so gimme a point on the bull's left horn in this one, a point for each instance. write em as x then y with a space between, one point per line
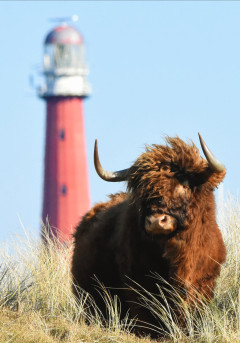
116 176
213 162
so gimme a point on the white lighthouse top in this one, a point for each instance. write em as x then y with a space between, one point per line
64 64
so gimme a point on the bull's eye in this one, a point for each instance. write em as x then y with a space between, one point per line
165 167
185 184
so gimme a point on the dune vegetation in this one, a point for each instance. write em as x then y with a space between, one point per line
37 304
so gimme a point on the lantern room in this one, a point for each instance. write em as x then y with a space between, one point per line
64 63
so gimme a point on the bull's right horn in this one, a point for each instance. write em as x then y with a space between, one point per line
213 162
105 175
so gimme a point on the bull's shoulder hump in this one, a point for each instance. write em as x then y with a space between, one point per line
114 199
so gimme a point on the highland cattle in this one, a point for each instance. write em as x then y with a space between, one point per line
164 223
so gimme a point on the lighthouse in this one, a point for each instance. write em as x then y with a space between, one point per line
66 186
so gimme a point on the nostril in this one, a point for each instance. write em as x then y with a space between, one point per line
163 219
148 221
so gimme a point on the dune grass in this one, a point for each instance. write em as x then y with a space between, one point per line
37 305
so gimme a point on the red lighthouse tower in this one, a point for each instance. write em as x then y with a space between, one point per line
66 186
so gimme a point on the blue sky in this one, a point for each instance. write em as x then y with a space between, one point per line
156 68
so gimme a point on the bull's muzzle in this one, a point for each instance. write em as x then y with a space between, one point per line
160 224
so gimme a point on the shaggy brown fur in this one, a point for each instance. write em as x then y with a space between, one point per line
112 244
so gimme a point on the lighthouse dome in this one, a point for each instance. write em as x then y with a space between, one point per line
64 34
64 51
64 63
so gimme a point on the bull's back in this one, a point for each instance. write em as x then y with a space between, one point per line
94 247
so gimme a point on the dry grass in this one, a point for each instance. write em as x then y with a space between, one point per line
37 305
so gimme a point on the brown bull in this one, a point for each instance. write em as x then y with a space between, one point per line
165 223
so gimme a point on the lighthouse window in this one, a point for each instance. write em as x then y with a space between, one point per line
62 56
62 134
64 189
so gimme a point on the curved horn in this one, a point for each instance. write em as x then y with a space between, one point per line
105 175
213 162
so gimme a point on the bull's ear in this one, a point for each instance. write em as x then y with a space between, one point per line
213 162
105 175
